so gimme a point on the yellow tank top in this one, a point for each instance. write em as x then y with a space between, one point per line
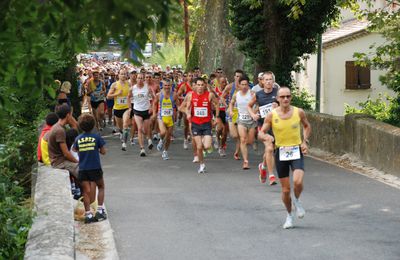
286 131
121 101
166 111
44 146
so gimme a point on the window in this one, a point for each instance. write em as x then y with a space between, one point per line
357 77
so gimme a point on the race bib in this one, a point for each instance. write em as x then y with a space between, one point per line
200 111
245 117
221 104
122 100
264 110
167 112
289 153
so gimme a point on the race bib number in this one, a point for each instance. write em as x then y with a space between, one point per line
221 104
167 112
264 110
289 153
245 117
200 111
122 100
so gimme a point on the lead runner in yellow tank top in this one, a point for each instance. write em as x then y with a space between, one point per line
286 122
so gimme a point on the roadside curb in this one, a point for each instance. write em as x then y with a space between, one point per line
95 241
352 163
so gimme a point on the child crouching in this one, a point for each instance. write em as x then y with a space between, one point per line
89 146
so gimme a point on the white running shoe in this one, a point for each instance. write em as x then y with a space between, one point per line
185 144
150 144
222 152
133 141
160 145
165 155
300 212
123 148
255 146
196 159
155 137
289 221
142 152
216 144
202 168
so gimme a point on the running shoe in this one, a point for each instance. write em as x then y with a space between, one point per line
185 144
90 219
272 179
255 146
216 144
142 152
195 159
155 137
246 165
165 155
236 156
160 145
150 144
289 222
300 212
202 168
222 152
123 147
133 141
263 173
101 215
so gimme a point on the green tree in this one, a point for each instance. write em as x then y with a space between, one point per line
276 34
386 57
38 43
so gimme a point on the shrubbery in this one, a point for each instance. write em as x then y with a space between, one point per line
384 108
301 98
16 158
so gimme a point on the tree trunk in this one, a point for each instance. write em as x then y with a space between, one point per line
217 46
186 28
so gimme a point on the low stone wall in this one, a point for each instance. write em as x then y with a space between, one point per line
374 142
52 232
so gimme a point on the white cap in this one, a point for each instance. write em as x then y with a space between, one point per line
260 74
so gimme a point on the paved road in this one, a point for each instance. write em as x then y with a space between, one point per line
165 210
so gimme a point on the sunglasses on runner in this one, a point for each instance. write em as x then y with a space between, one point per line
286 96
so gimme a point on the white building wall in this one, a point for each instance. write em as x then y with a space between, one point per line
334 83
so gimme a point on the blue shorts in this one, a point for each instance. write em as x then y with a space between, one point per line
201 130
110 103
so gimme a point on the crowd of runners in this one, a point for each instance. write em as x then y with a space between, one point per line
148 103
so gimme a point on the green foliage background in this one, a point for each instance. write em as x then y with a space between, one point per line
276 34
171 54
38 44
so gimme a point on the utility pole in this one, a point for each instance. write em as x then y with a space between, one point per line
318 85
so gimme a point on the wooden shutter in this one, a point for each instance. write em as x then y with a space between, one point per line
364 77
351 75
357 77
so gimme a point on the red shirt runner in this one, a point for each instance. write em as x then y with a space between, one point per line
201 108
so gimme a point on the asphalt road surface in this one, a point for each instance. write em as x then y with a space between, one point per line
165 210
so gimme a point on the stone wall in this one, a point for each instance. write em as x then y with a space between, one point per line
374 142
52 232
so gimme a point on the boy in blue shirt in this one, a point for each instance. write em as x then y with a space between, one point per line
89 146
